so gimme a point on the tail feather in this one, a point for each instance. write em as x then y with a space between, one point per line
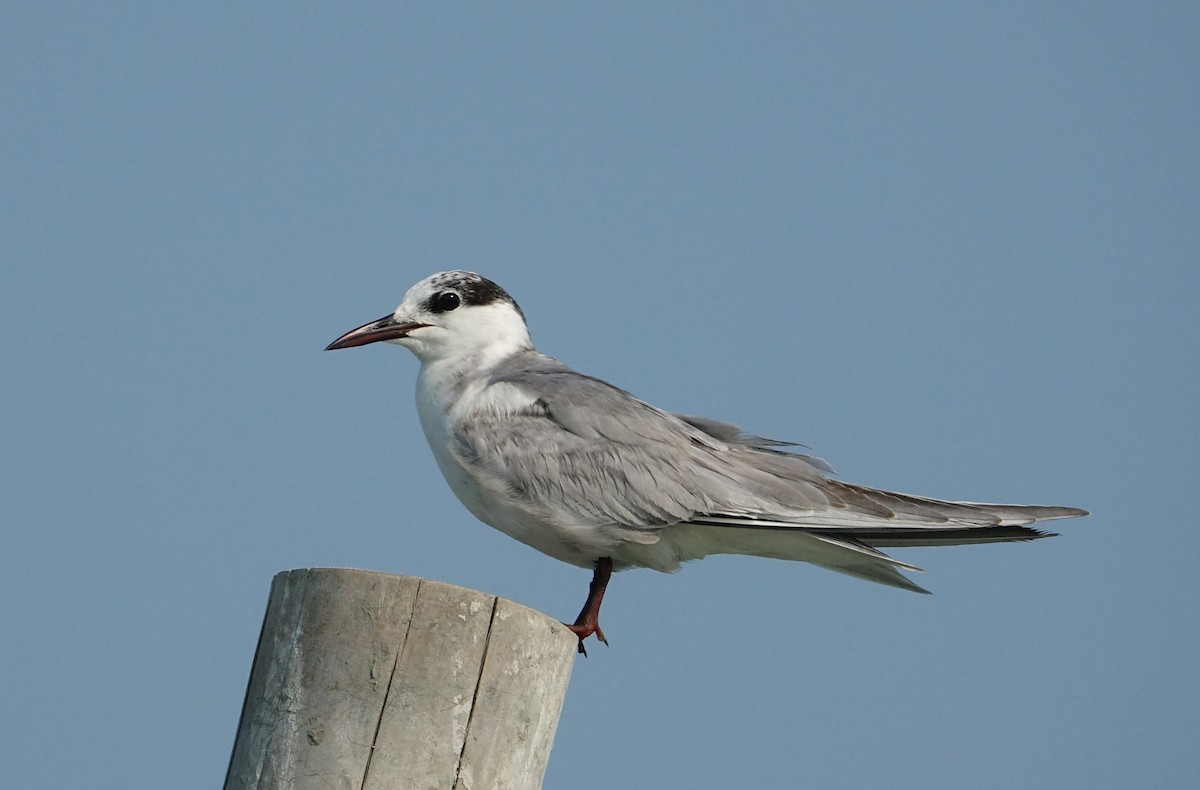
841 553
849 540
866 562
932 536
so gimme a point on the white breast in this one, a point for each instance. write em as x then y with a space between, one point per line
442 398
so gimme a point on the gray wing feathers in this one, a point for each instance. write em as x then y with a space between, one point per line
605 455
592 452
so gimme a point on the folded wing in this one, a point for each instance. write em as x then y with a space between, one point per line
590 452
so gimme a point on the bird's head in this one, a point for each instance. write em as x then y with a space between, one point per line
448 315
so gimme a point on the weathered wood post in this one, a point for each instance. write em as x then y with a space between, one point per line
364 680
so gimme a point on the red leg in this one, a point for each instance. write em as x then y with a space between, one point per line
588 621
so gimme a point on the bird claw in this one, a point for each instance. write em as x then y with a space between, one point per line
583 631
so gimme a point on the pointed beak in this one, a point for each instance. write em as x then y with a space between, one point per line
386 328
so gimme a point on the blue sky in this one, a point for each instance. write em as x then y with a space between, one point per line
952 249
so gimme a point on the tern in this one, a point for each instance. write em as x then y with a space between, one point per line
588 474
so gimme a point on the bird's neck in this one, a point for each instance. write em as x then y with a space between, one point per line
445 380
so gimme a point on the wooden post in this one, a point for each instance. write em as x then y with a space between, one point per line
366 681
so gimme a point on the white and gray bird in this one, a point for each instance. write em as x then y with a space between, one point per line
588 474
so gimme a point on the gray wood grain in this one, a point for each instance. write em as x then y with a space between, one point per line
365 680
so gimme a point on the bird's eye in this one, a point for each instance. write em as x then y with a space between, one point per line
446 301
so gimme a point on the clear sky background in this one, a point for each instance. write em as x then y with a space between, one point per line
955 250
